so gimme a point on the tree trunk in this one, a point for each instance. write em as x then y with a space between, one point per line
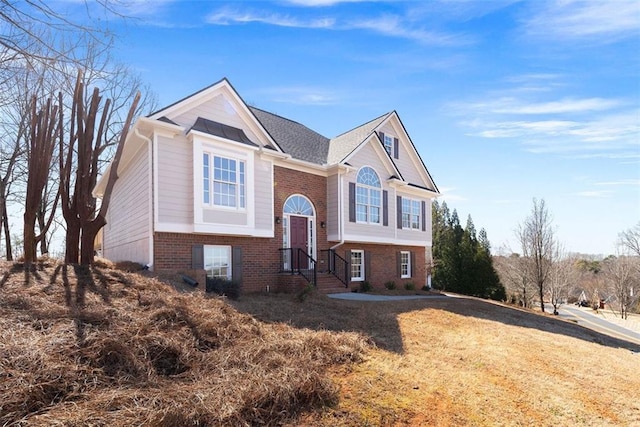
72 243
7 236
89 233
541 293
42 224
29 238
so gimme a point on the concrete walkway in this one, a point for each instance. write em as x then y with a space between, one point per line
358 296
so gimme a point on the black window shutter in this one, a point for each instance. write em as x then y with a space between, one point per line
382 138
396 149
424 216
399 210
347 257
413 263
236 264
385 208
367 265
197 257
352 202
399 263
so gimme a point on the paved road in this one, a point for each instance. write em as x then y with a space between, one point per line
598 324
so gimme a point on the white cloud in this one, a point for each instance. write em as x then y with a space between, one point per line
448 194
302 95
604 20
511 105
622 182
388 25
318 3
229 17
594 194
397 26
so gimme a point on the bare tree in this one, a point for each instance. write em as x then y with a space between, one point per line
621 273
561 278
536 238
512 269
630 239
88 131
45 127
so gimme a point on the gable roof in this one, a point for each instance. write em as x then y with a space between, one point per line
294 138
342 145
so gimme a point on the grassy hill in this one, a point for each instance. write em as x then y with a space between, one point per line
102 346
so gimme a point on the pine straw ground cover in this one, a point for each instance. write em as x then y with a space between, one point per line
467 362
101 346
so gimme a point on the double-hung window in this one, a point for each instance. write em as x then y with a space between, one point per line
223 181
388 144
357 265
368 196
411 214
217 261
405 264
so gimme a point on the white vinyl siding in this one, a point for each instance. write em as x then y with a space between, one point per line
127 234
332 207
175 178
407 162
218 109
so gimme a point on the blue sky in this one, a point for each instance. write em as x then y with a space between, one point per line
505 100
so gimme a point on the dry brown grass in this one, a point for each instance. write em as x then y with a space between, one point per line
468 362
101 346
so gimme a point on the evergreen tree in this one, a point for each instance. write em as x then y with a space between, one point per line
463 261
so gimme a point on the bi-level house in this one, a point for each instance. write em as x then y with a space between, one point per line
214 185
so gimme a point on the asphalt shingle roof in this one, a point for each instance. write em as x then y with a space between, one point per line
224 131
342 145
294 138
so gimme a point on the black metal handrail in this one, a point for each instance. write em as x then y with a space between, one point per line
288 255
338 266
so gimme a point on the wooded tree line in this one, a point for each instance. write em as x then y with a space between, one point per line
462 257
541 270
65 109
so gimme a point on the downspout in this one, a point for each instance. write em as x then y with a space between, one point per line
151 195
340 213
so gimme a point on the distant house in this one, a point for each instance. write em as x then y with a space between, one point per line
210 183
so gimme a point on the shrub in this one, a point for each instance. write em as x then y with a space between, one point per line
223 286
426 288
390 285
410 286
365 286
305 292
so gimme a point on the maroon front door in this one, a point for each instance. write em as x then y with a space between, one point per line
299 240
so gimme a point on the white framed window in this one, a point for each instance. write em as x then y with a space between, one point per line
405 264
388 144
357 265
217 261
411 214
368 196
223 181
